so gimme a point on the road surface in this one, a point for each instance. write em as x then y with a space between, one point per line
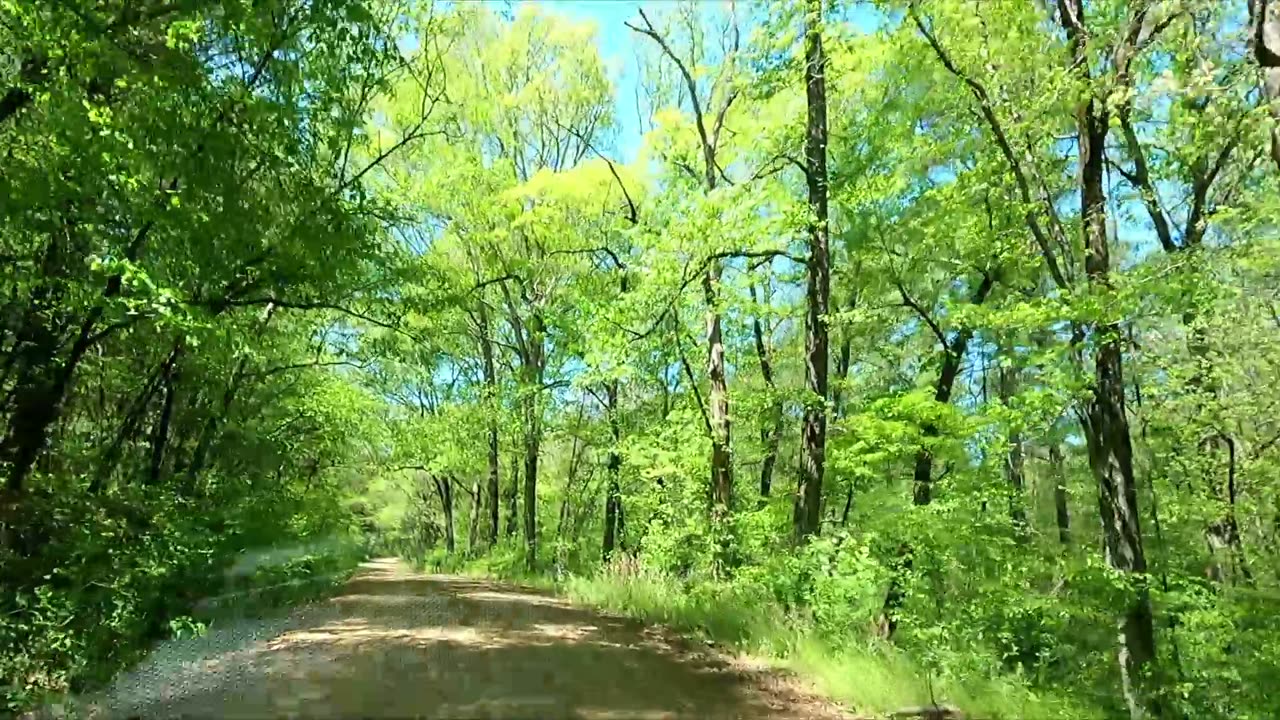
394 643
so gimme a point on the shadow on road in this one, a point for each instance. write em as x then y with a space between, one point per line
400 644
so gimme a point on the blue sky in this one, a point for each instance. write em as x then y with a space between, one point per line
617 46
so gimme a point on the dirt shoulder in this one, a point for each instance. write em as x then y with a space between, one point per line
394 643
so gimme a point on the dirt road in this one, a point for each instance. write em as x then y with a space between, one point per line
395 643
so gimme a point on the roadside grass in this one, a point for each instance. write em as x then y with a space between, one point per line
262 583
278 579
865 675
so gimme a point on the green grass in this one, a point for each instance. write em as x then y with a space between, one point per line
285 578
878 679
865 675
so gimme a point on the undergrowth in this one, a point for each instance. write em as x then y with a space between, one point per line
74 637
859 672
282 578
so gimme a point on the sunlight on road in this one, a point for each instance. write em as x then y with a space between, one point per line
397 643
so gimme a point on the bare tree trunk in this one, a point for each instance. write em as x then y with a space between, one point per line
843 361
38 398
837 399
1225 549
128 429
717 416
210 431
922 488
532 442
533 438
813 452
567 520
42 387
213 424
718 403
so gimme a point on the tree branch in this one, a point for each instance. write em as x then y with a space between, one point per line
908 301
297 366
997 129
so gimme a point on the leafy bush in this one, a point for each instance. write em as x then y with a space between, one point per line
116 576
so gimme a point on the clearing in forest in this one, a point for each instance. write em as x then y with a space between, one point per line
396 643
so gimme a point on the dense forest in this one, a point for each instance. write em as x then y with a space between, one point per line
945 328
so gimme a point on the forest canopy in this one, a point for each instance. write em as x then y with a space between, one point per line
945 328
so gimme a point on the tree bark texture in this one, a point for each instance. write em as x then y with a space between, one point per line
813 433
1105 422
718 401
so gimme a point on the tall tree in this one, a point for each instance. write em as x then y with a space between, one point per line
709 127
1105 421
808 514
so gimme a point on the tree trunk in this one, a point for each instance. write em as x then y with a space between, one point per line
1226 551
843 360
39 395
1105 423
717 415
128 430
813 434
1014 465
771 429
953 353
41 390
444 488
952 357
532 442
491 393
160 438
513 492
922 474
530 346
213 424
613 494
922 485
477 511
718 403
1063 516
533 435
1265 17
568 517
837 399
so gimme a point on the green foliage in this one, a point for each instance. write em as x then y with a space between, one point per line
382 272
